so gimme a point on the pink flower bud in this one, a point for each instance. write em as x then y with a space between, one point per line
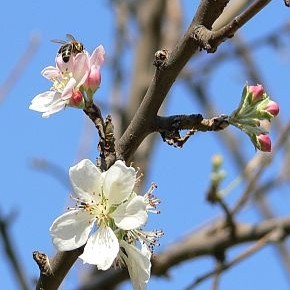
272 108
264 143
257 92
76 98
94 78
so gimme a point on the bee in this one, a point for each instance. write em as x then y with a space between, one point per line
69 47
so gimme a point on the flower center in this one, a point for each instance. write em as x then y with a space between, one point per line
99 210
60 83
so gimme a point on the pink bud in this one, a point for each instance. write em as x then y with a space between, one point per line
272 108
264 142
94 78
257 92
76 98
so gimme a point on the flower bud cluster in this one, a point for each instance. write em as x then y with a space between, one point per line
254 107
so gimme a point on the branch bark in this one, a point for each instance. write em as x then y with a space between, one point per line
162 81
205 242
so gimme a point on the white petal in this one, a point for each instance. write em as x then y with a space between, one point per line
101 249
47 103
138 263
68 89
42 101
71 230
86 180
54 108
51 73
119 182
132 214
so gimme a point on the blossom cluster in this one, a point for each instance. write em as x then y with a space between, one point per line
108 218
74 82
254 107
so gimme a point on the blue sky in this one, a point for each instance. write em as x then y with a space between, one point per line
181 175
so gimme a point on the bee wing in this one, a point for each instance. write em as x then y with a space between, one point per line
59 41
70 37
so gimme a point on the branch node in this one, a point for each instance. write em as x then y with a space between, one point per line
161 58
203 37
42 261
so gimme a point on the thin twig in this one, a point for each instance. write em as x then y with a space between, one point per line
229 29
262 163
19 67
52 169
10 251
217 276
225 266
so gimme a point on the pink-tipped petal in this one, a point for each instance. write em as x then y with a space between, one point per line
98 56
264 143
257 92
94 78
81 68
272 108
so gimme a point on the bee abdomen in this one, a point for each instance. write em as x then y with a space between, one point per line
66 51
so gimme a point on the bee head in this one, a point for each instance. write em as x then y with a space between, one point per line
78 46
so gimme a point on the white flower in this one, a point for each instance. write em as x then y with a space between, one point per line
107 219
105 200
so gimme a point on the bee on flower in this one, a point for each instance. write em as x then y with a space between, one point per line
73 80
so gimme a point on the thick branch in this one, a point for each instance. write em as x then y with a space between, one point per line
139 128
60 265
205 242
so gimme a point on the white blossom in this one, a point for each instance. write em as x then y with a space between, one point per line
108 218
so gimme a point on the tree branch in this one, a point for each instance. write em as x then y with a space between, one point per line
105 129
11 253
210 40
205 242
225 266
60 264
169 127
143 120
